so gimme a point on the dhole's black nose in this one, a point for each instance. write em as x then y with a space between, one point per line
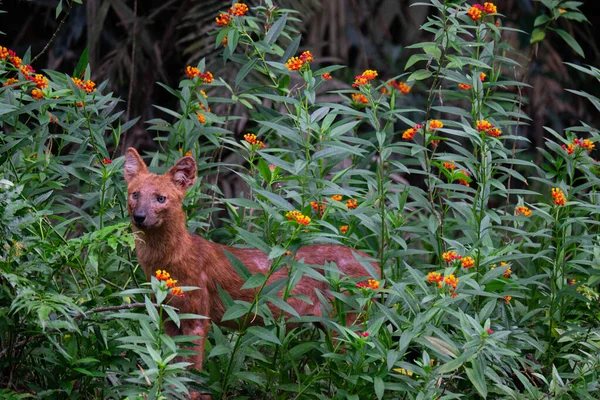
139 218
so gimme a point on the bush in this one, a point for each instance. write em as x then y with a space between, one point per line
490 263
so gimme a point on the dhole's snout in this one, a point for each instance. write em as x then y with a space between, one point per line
139 218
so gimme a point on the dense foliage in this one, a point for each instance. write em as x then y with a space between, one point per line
490 263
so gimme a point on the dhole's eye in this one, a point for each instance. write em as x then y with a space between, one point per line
161 199
134 195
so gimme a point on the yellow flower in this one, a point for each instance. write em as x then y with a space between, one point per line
434 277
37 94
489 8
474 13
468 262
450 256
162 275
558 197
298 217
238 9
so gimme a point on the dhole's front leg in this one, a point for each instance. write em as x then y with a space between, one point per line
197 328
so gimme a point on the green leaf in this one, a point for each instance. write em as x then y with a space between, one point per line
238 265
379 387
419 75
570 41
81 64
254 281
537 36
276 30
245 70
264 334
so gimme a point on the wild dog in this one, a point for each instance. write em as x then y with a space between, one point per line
163 242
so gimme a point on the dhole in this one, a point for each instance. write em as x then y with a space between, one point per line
154 203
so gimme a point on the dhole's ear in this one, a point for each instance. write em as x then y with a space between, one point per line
183 173
134 165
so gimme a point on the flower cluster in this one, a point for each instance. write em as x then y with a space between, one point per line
351 204
522 210
410 133
343 229
193 72
336 197
449 280
326 76
488 127
371 284
463 181
558 197
201 118
364 78
450 256
468 262
298 217
360 98
318 207
106 161
251 138
435 124
296 63
482 76
238 10
586 144
449 165
37 94
478 10
87 85
163 275
465 86
401 86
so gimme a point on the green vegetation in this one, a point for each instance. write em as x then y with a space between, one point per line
490 263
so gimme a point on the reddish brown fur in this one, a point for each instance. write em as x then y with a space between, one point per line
165 243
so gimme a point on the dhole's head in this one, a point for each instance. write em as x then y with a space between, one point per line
153 200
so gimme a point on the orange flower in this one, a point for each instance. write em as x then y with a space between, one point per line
507 273
451 281
351 204
450 256
483 125
449 165
207 77
298 217
434 277
27 71
401 86
435 124
562 10
343 229
3 53
106 161
250 138
307 57
464 182
10 81
319 207
191 72
224 41
468 262
53 119
359 81
359 98
464 86
89 86
495 132
294 64
409 134
558 197
176 291
162 275
239 10
201 118
588 145
474 13
370 74
507 299
188 154
171 283
482 76
326 76
384 91
489 8
16 61
37 94
337 197
203 93
41 81
223 19
522 210
373 284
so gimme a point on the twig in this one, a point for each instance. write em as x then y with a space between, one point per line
55 32
79 316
